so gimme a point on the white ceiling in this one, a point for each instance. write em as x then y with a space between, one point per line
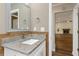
63 11
56 4
60 7
61 4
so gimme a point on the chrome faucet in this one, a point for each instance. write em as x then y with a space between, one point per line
23 36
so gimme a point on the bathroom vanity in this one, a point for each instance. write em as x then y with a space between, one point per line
18 21
32 46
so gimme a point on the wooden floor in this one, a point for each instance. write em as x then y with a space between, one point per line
61 53
63 44
1 51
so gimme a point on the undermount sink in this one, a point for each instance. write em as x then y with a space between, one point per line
30 41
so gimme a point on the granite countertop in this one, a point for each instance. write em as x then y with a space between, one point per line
24 48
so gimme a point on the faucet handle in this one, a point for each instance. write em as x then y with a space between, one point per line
23 36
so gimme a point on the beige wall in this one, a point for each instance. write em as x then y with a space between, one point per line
41 11
4 18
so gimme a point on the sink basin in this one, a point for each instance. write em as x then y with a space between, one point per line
30 41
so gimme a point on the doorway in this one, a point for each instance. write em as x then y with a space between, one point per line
63 33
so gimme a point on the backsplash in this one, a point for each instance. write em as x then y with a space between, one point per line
12 36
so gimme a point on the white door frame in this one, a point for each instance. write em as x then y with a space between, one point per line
51 30
75 29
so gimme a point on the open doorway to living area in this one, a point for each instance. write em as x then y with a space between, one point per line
63 14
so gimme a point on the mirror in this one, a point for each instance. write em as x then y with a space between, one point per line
20 16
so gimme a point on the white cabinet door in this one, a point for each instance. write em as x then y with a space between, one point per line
20 54
9 52
40 51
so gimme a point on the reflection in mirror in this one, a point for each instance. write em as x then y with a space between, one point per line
15 19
